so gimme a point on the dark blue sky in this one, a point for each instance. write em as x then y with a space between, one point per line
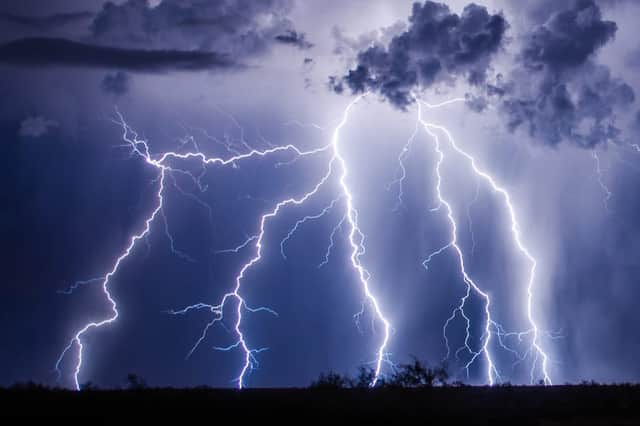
550 113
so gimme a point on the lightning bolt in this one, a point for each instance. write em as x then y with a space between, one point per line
607 193
470 220
355 239
140 148
337 167
453 244
402 174
491 327
305 219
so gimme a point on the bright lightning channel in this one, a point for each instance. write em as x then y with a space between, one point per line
403 171
490 324
140 148
607 193
355 237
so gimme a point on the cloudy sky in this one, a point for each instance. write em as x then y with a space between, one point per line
94 94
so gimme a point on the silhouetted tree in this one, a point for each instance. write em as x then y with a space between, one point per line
135 382
412 375
418 374
27 386
331 380
365 377
88 386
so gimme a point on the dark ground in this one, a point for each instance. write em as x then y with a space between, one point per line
558 405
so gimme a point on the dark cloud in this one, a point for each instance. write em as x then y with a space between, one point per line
235 27
175 34
476 103
117 83
557 92
60 52
568 38
336 84
437 46
294 38
46 23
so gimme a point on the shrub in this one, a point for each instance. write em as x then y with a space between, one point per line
135 382
417 374
331 380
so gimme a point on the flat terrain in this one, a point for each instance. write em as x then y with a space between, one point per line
531 405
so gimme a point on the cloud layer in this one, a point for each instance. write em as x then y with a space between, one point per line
60 52
294 38
553 88
437 46
173 35
557 91
234 27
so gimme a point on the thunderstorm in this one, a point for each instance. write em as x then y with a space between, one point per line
391 211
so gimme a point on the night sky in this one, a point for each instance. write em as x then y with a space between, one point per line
93 93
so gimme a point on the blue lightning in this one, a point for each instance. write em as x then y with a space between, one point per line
402 175
336 166
492 328
355 239
453 244
540 356
470 220
332 237
182 255
78 284
607 193
77 338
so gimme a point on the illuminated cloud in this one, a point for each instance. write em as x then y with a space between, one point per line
437 46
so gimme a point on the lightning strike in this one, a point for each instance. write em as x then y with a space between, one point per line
607 193
491 327
402 169
140 148
470 220
336 166
332 236
355 239
336 169
453 244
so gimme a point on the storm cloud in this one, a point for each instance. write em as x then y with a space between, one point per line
237 27
173 35
294 38
437 46
60 52
557 91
